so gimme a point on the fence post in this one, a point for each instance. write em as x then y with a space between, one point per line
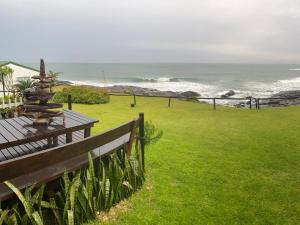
134 100
9 101
69 102
214 101
142 138
258 107
250 103
169 104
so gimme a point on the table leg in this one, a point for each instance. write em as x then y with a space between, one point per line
69 137
49 140
87 132
55 140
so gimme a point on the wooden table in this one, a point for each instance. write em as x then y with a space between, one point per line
19 131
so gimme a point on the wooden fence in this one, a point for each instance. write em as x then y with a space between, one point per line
47 165
253 101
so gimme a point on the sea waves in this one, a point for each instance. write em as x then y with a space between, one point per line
243 89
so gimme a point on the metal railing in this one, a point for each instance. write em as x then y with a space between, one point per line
9 99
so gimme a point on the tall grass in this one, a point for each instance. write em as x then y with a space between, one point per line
81 195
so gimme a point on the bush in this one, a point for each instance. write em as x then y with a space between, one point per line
82 94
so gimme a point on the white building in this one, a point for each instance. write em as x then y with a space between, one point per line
20 72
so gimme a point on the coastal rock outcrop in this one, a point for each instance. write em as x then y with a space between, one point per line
283 98
287 94
228 94
190 94
280 99
150 92
63 82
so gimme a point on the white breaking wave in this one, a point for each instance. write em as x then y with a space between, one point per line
294 81
262 89
163 79
295 69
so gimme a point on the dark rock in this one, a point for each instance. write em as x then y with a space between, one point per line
190 94
283 98
62 82
228 94
287 94
149 92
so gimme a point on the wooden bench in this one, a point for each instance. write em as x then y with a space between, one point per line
48 165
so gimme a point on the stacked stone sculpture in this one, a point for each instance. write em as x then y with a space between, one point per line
36 103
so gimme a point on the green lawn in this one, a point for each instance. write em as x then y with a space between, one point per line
229 166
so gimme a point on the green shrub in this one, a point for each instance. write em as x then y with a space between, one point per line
82 94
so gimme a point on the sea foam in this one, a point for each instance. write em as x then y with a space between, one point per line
291 81
295 69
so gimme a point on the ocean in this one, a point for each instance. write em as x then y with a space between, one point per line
209 80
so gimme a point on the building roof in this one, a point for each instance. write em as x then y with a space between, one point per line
4 63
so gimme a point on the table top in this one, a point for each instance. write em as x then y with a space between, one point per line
19 130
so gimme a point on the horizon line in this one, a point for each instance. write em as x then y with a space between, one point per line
85 62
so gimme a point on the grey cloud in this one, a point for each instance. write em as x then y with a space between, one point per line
262 31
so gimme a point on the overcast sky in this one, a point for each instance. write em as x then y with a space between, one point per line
250 31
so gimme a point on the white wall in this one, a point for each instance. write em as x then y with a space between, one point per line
20 72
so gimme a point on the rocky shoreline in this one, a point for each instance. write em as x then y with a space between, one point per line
123 89
284 98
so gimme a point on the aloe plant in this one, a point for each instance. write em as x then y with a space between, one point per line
82 194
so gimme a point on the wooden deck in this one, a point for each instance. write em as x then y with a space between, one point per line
18 137
20 150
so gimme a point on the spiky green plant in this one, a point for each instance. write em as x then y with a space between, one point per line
5 78
83 193
152 133
21 85
32 204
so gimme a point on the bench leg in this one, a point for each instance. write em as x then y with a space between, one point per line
87 132
69 137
